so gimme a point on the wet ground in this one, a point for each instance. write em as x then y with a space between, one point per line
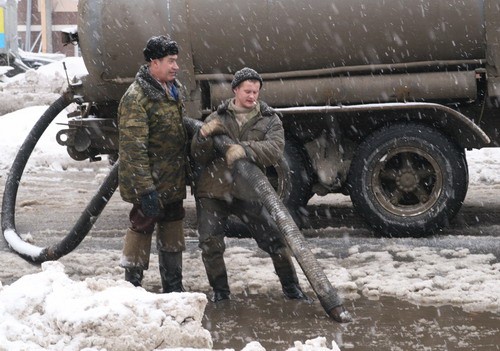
386 324
50 202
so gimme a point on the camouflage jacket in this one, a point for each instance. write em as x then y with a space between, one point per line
263 139
152 141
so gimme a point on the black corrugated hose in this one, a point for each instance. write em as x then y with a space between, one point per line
88 216
327 294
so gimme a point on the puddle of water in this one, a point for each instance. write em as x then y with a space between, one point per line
385 324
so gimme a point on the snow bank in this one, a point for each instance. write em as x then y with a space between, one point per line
484 166
49 311
318 344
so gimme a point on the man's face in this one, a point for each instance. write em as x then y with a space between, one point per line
165 69
247 93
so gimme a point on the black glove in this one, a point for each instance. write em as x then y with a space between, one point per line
150 204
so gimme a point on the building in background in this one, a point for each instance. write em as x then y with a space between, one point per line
40 22
7 30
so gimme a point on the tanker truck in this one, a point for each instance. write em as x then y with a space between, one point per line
379 98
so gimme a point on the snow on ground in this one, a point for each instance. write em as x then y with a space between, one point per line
56 307
62 314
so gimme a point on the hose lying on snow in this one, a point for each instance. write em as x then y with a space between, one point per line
33 253
252 174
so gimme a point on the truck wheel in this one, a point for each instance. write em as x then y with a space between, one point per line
292 180
408 180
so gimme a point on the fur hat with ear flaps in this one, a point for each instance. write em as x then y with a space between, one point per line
245 74
158 47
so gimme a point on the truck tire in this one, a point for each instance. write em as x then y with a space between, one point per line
408 180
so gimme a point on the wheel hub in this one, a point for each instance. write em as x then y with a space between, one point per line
407 181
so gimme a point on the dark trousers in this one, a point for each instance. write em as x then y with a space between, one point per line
143 224
212 218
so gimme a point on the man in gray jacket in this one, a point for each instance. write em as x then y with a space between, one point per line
258 135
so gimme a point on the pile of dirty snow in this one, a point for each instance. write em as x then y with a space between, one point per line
50 311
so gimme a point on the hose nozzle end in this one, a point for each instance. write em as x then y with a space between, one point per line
340 314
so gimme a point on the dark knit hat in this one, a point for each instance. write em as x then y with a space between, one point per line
245 74
158 47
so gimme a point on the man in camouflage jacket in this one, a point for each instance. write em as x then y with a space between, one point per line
152 148
258 134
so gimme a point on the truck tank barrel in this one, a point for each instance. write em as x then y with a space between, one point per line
279 36
361 89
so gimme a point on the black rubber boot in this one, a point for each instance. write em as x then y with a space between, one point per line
288 277
220 295
217 276
171 271
134 275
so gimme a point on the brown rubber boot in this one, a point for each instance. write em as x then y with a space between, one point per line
135 256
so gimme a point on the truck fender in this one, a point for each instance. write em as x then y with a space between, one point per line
459 127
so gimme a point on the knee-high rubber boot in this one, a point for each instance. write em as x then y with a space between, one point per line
217 276
170 244
171 271
135 256
288 277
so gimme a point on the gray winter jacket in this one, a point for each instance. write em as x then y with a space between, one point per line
263 139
